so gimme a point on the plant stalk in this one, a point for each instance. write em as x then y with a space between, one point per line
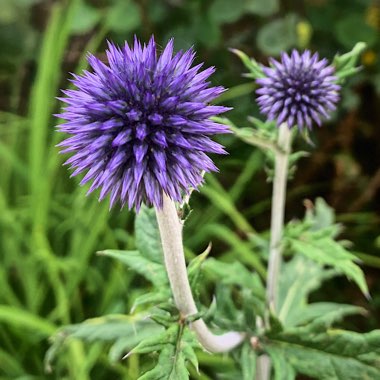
277 214
277 227
170 228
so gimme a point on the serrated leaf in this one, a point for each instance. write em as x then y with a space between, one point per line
234 274
155 298
152 271
325 314
346 64
189 354
255 70
282 368
321 215
125 344
299 277
106 328
327 355
172 359
227 316
163 318
128 331
248 362
329 252
170 366
194 267
157 342
148 240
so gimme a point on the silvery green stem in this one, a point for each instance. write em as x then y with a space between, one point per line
277 213
170 228
276 230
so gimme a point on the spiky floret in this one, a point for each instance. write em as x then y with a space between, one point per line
140 125
299 90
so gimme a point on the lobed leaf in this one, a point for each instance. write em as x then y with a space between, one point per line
152 271
148 241
325 355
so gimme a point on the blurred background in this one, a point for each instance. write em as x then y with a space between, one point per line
49 231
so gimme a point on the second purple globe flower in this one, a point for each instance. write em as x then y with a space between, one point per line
140 125
299 90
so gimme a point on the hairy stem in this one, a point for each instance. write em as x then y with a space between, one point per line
277 226
170 228
277 214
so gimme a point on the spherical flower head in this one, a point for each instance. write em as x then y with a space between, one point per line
298 90
140 125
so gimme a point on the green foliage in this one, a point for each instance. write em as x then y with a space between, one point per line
299 278
353 28
248 362
123 332
319 244
346 64
176 346
278 35
324 354
147 235
150 270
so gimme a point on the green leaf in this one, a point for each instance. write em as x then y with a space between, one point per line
194 267
248 362
278 35
107 328
155 298
148 240
326 355
321 216
157 342
123 17
226 11
353 28
176 348
152 271
25 320
85 18
190 355
282 368
326 251
327 313
126 343
234 274
206 31
262 7
315 239
255 70
299 277
170 366
124 331
346 64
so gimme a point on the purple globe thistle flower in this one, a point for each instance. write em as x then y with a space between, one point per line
140 125
298 90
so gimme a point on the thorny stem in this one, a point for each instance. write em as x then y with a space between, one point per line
277 226
170 228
